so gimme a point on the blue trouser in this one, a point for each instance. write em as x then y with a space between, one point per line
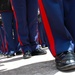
2 40
58 18
42 33
25 12
7 19
15 37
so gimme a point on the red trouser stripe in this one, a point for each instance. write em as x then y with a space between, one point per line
47 28
16 22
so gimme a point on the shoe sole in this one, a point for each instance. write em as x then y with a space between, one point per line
26 57
67 67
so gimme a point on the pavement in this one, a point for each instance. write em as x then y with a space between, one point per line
36 65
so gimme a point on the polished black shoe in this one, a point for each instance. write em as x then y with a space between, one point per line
27 55
19 53
39 51
10 54
65 61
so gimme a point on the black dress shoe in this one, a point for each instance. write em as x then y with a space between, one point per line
27 55
19 53
39 51
65 61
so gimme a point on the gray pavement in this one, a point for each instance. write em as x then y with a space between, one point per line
36 65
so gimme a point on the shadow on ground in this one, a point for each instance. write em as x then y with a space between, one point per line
41 68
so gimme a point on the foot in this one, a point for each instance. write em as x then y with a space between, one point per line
65 61
27 55
19 53
10 54
39 51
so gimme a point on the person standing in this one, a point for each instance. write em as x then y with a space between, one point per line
25 12
8 20
58 17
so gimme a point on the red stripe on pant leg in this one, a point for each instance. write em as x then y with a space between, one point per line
16 23
5 42
6 47
47 27
40 41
